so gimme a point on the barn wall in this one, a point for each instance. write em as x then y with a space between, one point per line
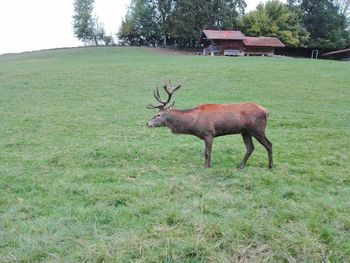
227 44
231 44
259 50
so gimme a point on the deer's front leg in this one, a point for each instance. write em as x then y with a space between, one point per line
208 144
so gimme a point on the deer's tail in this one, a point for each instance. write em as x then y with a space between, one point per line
266 112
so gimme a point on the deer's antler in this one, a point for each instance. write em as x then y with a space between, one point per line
170 90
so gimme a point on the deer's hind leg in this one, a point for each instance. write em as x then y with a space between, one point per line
262 139
247 138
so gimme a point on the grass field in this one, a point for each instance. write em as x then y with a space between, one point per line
83 180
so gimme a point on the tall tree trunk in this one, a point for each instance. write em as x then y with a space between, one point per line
95 39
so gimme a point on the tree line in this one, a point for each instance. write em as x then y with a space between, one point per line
176 22
297 23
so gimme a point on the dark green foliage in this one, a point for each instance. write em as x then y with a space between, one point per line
140 24
151 22
275 19
299 23
128 33
191 17
324 21
315 24
164 9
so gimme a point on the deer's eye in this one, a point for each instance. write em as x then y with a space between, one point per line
158 115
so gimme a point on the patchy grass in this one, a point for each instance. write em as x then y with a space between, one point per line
83 179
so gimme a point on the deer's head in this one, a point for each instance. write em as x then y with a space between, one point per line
159 120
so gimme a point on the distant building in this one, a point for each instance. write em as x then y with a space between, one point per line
235 43
343 54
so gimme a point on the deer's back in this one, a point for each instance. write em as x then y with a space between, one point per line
225 119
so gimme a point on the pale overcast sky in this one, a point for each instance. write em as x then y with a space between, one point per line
27 25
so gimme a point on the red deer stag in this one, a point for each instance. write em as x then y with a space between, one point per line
212 120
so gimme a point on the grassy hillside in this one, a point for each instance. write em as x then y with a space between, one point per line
83 179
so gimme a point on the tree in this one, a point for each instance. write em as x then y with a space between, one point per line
191 17
164 9
184 23
344 7
277 20
140 24
127 32
180 21
324 21
86 27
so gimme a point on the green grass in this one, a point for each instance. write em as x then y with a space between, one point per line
83 180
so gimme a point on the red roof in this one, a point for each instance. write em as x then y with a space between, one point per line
222 34
263 42
238 35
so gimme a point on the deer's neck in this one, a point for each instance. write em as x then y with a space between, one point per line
180 121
